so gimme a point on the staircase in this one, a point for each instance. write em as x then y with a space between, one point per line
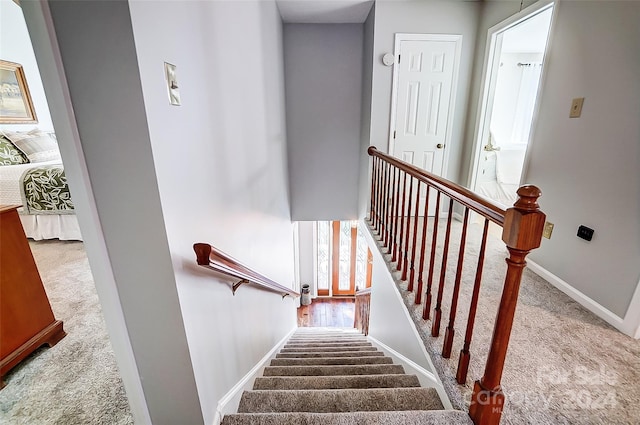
331 376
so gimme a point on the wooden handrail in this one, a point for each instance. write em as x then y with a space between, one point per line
522 227
214 259
458 193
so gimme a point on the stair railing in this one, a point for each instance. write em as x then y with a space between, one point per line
394 217
214 259
361 316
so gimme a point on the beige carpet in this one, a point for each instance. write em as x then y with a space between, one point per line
75 382
564 365
332 376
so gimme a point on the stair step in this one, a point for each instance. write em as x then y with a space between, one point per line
332 361
420 417
326 349
300 354
334 382
382 369
327 345
327 341
341 400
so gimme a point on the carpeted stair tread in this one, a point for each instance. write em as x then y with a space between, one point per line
420 417
341 400
331 361
331 343
334 382
327 349
300 354
328 370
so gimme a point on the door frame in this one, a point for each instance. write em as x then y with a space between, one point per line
399 38
486 97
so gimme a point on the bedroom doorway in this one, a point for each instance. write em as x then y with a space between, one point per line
513 69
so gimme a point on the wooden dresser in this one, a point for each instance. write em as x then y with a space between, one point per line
26 319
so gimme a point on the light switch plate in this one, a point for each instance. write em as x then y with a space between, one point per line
172 83
548 229
576 107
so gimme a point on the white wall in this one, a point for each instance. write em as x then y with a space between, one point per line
222 173
588 167
15 46
323 69
306 253
389 320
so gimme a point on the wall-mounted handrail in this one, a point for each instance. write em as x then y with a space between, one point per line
454 191
214 259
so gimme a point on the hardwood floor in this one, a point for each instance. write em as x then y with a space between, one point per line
329 312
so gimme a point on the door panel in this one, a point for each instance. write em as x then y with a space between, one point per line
425 77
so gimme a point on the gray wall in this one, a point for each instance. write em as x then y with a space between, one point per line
125 234
323 70
423 17
365 131
588 168
151 179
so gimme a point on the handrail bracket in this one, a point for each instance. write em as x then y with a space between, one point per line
238 284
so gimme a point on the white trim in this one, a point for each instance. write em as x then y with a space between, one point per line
314 292
631 322
481 121
426 378
296 257
457 39
597 309
229 402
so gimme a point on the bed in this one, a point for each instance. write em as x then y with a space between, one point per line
500 172
32 175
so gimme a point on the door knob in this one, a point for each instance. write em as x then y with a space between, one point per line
439 146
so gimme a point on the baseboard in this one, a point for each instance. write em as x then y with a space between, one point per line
229 402
597 309
632 317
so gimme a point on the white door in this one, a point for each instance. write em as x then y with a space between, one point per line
424 91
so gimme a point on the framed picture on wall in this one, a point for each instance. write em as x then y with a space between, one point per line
16 106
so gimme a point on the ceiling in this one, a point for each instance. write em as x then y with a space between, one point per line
529 36
324 11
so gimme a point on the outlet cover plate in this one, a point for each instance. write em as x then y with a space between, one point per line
576 107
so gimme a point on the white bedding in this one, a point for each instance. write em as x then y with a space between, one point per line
38 227
503 182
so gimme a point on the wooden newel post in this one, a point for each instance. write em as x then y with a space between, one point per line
522 232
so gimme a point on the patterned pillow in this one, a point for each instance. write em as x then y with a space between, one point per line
37 145
9 154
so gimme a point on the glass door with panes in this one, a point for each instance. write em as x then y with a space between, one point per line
343 259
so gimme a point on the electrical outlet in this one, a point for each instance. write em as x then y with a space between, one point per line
548 229
576 107
585 233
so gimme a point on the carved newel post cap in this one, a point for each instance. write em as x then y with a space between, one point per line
524 222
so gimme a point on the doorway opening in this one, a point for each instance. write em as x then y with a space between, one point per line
343 259
515 57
